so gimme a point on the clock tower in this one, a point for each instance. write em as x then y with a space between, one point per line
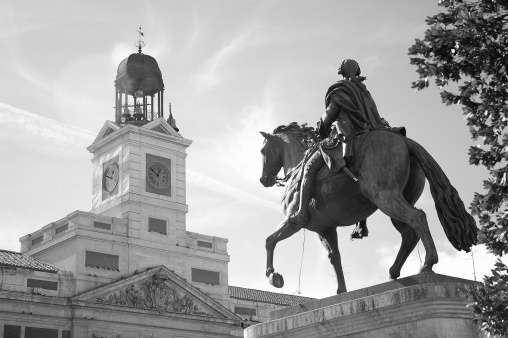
139 160
138 216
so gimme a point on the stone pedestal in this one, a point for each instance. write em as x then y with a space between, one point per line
419 306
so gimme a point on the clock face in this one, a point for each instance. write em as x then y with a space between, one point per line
158 175
110 178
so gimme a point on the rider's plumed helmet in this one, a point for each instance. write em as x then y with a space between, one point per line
349 68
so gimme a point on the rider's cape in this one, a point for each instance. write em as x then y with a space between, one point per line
352 97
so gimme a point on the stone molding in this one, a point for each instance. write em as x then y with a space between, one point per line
143 130
412 310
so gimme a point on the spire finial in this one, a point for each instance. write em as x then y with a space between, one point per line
140 43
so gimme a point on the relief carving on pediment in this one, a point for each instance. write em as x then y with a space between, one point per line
154 294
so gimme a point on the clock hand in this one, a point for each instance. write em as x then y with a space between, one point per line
109 176
154 171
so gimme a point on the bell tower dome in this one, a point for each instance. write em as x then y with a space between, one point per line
139 88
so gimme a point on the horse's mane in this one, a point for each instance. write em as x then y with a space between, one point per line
306 135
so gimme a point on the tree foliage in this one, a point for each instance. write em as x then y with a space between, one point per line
466 46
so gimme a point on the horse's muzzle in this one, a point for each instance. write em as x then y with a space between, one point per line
267 181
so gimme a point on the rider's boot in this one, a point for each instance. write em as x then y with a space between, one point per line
311 169
302 215
360 230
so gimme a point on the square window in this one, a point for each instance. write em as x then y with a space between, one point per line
157 225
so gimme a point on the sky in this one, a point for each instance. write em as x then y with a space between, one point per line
231 68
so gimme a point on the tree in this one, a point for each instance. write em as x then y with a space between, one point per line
468 43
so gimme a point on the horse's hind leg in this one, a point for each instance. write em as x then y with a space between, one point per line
409 240
329 239
284 230
395 206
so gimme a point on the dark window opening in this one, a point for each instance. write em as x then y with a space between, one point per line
205 244
37 332
101 225
12 331
101 261
61 229
206 276
245 311
157 225
43 284
37 240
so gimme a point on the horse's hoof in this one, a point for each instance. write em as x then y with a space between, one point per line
269 271
393 273
276 280
426 270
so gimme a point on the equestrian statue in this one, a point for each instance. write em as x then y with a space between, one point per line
354 164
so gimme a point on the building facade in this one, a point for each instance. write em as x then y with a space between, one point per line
129 267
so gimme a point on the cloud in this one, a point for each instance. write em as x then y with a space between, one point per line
371 64
393 33
210 75
222 188
451 263
44 127
70 136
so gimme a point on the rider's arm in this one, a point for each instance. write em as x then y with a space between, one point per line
330 115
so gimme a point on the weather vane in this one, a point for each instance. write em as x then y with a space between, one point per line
140 43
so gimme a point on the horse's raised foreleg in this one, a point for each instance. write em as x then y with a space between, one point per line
284 230
329 239
395 206
409 240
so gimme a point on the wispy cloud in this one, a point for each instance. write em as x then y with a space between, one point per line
210 74
44 127
452 263
222 188
70 136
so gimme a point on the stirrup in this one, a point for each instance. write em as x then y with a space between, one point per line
359 233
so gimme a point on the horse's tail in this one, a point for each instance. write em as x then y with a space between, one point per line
458 224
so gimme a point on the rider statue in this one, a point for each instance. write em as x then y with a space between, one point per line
351 97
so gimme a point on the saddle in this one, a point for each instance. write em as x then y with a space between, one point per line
332 151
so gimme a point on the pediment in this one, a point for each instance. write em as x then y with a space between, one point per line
107 129
160 125
158 289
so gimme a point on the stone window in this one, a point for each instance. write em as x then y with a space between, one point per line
66 334
101 260
101 225
245 311
37 240
204 244
12 331
43 284
61 228
38 332
157 225
206 276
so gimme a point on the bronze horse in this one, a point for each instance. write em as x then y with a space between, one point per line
391 177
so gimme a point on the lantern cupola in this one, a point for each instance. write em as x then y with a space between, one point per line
139 88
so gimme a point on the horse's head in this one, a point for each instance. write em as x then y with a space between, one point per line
284 148
273 154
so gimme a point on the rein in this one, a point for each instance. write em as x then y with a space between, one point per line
280 180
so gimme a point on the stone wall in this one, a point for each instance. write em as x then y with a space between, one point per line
418 306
